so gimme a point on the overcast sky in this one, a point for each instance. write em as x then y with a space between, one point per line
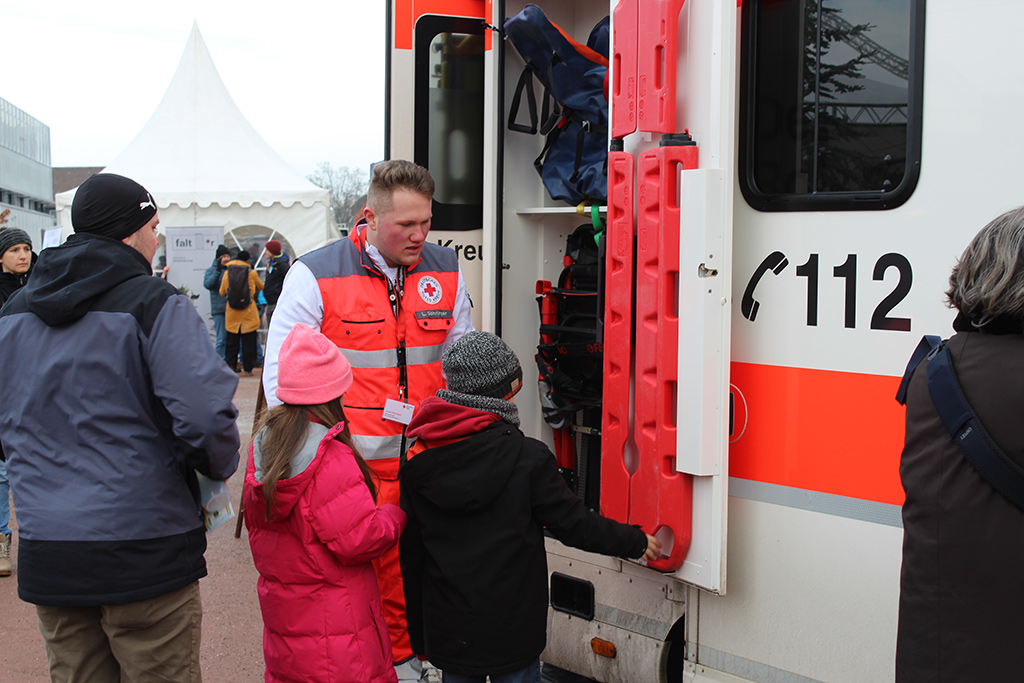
307 74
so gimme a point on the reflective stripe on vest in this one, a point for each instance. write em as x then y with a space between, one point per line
388 358
377 447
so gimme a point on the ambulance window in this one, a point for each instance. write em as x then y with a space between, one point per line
830 107
449 117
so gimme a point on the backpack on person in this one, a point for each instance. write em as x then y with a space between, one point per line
239 296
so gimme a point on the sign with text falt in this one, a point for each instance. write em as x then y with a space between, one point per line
190 251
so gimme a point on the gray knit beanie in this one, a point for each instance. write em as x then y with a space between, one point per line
11 237
482 373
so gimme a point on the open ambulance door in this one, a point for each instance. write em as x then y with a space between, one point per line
665 427
434 110
683 147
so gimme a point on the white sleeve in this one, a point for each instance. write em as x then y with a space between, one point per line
300 302
463 314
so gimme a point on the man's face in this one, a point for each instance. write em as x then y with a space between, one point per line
144 240
17 259
223 259
400 233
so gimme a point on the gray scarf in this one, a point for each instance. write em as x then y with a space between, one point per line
506 410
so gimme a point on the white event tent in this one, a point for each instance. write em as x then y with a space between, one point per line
207 166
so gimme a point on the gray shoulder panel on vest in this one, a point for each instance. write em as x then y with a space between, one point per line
336 259
437 259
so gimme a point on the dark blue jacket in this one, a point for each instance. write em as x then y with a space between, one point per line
124 398
211 280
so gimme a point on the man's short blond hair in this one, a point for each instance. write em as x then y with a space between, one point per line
397 174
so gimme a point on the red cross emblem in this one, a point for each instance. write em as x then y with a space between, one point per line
429 289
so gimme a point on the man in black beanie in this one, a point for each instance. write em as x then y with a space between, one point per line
127 399
479 495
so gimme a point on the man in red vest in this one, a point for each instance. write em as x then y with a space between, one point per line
392 302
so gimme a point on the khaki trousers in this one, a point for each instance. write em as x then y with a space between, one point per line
152 640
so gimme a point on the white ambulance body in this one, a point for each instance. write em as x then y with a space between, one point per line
817 231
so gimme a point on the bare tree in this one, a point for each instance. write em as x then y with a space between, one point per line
347 187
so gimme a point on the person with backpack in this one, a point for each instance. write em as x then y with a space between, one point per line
314 526
479 495
960 584
241 318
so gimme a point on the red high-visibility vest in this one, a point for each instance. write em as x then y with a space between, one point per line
394 346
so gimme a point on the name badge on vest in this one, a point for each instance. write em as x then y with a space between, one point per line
397 411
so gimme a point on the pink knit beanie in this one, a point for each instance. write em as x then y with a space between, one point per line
310 369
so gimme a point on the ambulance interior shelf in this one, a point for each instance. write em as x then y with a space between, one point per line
554 210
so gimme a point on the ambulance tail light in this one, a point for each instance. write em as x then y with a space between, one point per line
603 647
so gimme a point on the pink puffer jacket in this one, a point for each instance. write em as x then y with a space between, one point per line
322 619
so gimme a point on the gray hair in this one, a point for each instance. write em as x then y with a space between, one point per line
987 281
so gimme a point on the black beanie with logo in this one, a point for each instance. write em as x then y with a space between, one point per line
111 205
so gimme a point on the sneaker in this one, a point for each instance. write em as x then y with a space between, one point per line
5 555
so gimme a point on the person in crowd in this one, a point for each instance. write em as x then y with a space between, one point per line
125 401
16 259
211 280
277 268
960 587
241 323
314 526
391 302
479 495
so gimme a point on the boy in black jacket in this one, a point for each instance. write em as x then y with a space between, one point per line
479 495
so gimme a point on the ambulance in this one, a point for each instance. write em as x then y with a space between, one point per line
765 283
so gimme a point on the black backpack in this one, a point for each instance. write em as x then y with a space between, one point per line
239 296
570 355
570 359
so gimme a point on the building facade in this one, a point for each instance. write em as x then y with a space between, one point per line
26 179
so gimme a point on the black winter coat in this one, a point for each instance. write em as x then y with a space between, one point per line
473 558
275 278
962 583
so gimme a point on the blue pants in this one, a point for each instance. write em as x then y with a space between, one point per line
531 674
5 500
222 333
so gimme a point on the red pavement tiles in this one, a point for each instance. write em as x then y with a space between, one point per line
232 649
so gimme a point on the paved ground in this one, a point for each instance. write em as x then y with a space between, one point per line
232 629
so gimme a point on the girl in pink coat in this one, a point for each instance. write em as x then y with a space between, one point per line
314 527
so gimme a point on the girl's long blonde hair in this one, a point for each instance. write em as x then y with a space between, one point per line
285 428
